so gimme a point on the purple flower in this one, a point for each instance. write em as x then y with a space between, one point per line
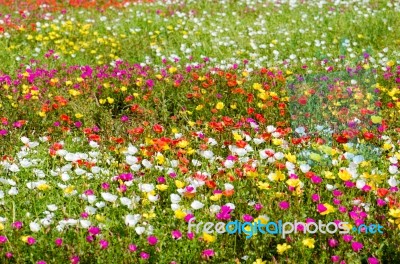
356 246
176 234
124 119
9 255
207 254
284 205
3 239
373 260
333 242
103 244
335 259
58 242
41 262
144 255
132 247
347 238
74 259
315 197
17 225
94 230
31 241
152 240
247 218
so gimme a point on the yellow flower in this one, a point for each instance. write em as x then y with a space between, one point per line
293 182
257 86
1 226
394 213
376 119
329 175
282 248
216 197
344 175
43 187
291 158
100 218
309 242
329 209
209 238
219 105
110 100
149 215
24 238
161 187
277 141
259 261
78 115
179 214
199 107
69 189
172 70
183 144
237 136
179 184
263 185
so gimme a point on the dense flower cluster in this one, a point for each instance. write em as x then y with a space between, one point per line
112 140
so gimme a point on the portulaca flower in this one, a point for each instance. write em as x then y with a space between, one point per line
109 197
34 227
196 205
132 220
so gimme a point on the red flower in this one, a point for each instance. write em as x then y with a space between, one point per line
158 128
368 136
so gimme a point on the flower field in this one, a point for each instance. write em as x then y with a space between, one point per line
122 122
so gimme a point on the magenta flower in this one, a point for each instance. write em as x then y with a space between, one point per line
3 132
190 235
152 240
132 247
284 205
124 118
89 238
315 197
105 186
333 242
41 262
373 260
17 225
347 238
103 244
74 259
176 234
335 259
316 179
381 202
58 242
144 255
9 255
321 208
356 246
247 218
94 230
188 217
207 254
3 239
31 241
258 206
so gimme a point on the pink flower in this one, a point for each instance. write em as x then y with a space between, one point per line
284 205
41 262
31 241
207 254
335 259
103 244
3 239
373 260
144 255
190 235
356 246
17 225
58 242
176 234
247 218
321 208
315 197
94 230
315 179
9 255
333 242
347 238
258 206
132 247
74 259
152 240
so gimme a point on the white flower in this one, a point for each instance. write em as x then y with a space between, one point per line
85 223
147 164
13 191
90 210
52 207
132 220
305 168
393 169
132 150
109 197
136 167
228 186
330 187
197 205
215 208
1 194
360 184
175 206
146 187
79 171
91 198
126 201
152 198
229 164
208 154
93 144
35 227
131 160
13 168
100 204
139 230
392 181
231 205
